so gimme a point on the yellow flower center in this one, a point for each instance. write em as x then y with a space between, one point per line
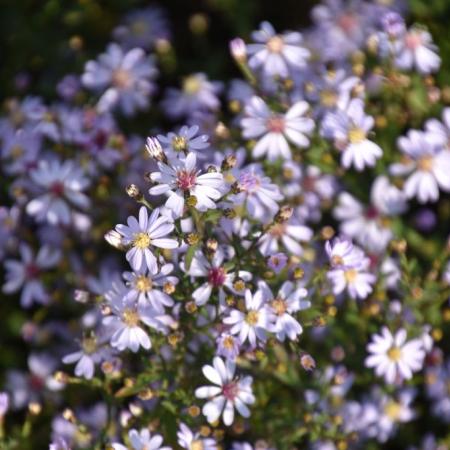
179 143
130 317
143 283
121 78
350 275
356 135
425 163
278 230
279 305
275 44
393 410
141 240
328 98
197 445
252 318
89 345
228 342
191 85
17 151
394 354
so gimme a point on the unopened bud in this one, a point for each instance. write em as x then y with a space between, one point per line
212 169
299 273
194 411
221 131
169 288
69 415
236 188
133 191
284 214
61 377
191 307
212 245
238 50
81 296
115 239
229 162
34 408
326 233
146 394
155 150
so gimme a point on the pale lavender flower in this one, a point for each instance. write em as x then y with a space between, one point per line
181 177
288 235
218 278
289 300
185 141
257 192
274 130
124 79
4 403
142 440
277 262
228 346
437 388
141 235
350 270
92 352
426 162
193 440
253 323
277 54
415 50
370 225
61 186
148 289
25 274
197 93
226 393
393 357
348 128
143 28
69 87
439 131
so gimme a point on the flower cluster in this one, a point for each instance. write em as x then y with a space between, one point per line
278 272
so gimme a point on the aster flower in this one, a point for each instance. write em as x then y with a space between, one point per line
284 305
228 392
218 276
439 131
142 440
349 270
348 127
143 28
393 357
426 162
277 262
197 93
194 441
185 141
275 130
228 346
180 178
257 193
370 225
91 353
150 288
126 323
253 323
415 50
148 232
288 234
277 54
124 79
61 186
25 274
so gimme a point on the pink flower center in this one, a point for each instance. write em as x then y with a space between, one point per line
57 189
32 271
216 276
348 22
413 40
230 391
275 124
186 179
371 212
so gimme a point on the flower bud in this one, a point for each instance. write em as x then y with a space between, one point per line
81 296
238 50
284 214
133 191
155 150
113 238
229 162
